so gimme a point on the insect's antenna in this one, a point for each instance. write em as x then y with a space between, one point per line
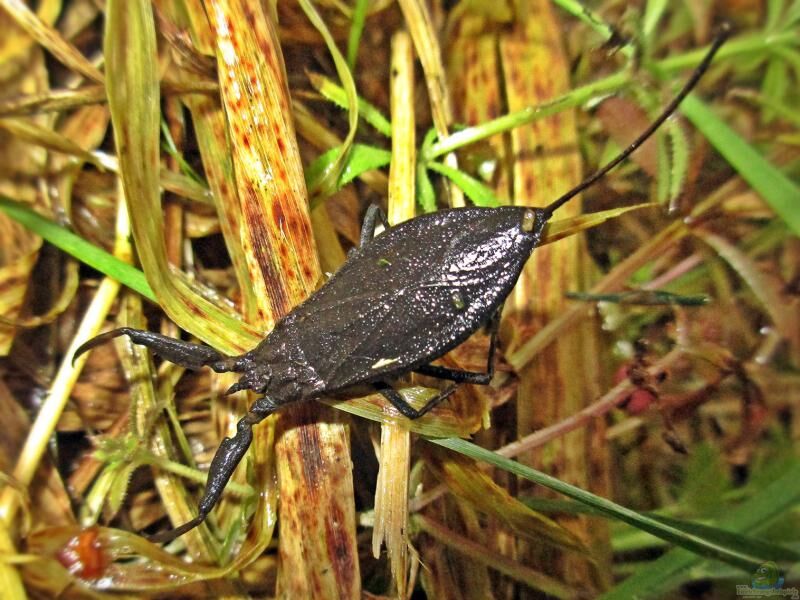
719 39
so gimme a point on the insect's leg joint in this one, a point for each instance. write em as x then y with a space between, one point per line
371 217
404 407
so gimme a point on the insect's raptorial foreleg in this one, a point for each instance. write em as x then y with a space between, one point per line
371 217
227 458
184 354
460 376
408 411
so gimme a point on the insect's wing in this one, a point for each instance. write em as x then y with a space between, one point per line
410 295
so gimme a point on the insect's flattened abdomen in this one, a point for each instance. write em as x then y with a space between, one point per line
412 294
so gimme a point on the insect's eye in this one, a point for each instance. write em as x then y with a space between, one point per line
528 220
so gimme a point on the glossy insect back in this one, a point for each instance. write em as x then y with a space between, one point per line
402 300
408 296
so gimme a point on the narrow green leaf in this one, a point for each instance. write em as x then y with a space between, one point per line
774 85
679 166
654 10
426 196
362 158
330 176
335 93
356 29
658 577
743 543
780 192
643 298
119 485
774 14
473 188
62 238
664 161
168 144
689 541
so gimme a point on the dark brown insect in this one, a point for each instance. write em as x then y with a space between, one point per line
403 299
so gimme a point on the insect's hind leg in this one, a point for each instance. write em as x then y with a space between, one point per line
460 376
397 400
184 354
226 459
371 217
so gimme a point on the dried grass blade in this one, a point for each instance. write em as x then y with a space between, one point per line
133 93
466 480
317 545
208 119
426 43
563 228
547 164
276 234
777 304
51 101
473 67
51 39
391 494
47 138
19 250
480 553
317 542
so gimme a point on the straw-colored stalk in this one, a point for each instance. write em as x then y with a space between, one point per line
317 545
391 495
563 379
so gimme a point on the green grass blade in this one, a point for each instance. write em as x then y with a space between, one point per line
662 575
62 238
476 191
329 178
780 192
746 544
356 29
360 159
335 93
684 539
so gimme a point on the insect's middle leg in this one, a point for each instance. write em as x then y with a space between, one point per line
408 411
460 376
227 458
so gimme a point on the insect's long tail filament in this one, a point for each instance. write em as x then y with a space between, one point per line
720 38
